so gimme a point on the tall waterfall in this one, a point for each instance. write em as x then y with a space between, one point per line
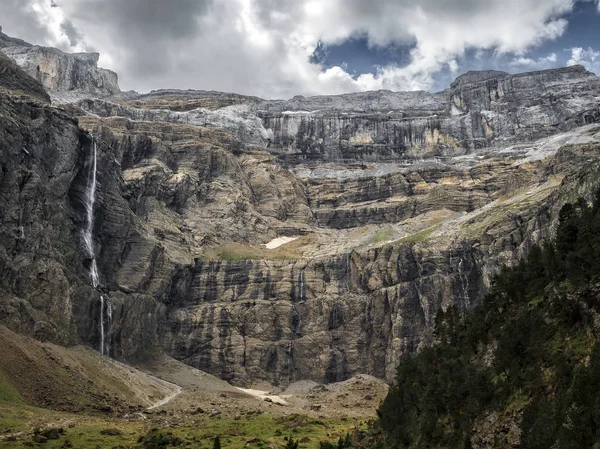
88 239
302 286
101 324
90 199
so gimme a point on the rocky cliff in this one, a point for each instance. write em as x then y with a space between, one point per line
190 186
479 110
66 76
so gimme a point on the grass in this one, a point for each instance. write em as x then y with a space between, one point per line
255 431
420 236
383 235
8 394
231 252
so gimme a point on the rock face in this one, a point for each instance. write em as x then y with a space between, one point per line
191 185
40 155
14 80
479 110
66 76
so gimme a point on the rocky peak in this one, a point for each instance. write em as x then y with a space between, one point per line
475 76
15 80
7 41
66 76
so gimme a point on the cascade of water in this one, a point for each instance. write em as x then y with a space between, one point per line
88 239
88 233
102 324
109 317
302 291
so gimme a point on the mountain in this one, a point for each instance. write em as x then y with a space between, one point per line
66 76
399 204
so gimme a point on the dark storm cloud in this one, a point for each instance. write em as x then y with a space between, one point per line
73 34
148 30
150 20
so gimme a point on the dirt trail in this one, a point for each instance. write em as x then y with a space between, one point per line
168 398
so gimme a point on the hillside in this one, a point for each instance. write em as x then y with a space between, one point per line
521 369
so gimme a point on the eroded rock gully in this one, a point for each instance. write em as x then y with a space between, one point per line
192 184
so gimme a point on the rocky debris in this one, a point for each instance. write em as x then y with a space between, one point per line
43 435
498 429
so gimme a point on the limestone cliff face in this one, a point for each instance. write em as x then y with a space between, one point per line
479 110
67 76
189 189
40 155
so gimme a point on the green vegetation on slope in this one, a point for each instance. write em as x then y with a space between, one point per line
531 345
8 393
201 431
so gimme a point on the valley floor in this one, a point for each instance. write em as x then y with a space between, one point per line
85 400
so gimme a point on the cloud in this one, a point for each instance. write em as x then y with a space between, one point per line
28 19
589 58
72 33
525 63
264 47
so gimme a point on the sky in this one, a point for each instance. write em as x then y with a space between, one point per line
282 48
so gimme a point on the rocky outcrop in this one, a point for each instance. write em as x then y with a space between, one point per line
13 80
67 76
40 156
410 192
238 120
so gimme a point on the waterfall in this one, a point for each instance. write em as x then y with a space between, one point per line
109 312
106 312
102 324
88 239
302 287
88 233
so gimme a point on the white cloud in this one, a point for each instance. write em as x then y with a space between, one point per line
262 47
589 58
524 63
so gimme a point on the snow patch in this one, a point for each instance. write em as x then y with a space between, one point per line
276 243
264 395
